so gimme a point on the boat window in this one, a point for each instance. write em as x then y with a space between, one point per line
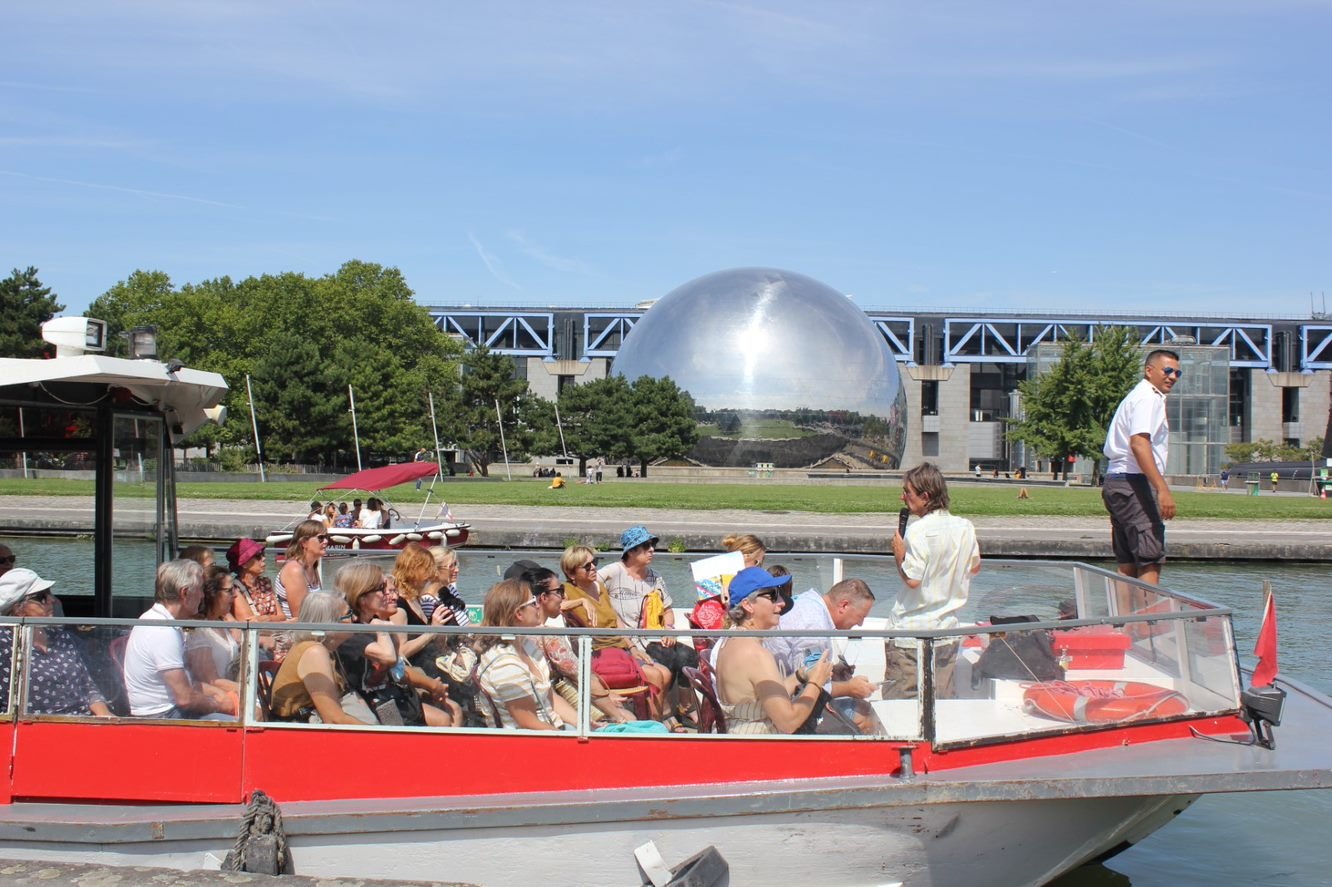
141 520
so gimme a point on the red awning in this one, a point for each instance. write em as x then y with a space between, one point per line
374 479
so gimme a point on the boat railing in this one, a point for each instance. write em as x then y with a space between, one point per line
957 687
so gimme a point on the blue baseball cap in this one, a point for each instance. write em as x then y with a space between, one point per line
750 580
634 537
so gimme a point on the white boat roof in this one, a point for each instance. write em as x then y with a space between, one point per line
183 395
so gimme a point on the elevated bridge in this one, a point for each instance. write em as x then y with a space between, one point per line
924 338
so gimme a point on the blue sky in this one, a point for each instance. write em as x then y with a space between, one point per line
1134 156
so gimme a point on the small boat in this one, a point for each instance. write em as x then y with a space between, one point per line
981 787
442 530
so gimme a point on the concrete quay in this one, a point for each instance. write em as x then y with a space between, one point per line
43 872
510 526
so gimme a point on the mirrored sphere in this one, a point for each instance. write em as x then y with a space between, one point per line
784 370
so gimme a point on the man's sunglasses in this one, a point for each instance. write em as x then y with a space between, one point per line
1173 371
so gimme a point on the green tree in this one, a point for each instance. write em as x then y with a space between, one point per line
303 341
1067 410
25 305
489 392
662 421
595 417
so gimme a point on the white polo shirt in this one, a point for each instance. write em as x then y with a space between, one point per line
941 553
152 650
1143 411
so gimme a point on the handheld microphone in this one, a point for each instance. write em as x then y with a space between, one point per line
902 517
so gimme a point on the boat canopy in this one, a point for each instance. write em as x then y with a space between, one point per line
375 479
183 395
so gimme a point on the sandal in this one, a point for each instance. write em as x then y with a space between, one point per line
685 719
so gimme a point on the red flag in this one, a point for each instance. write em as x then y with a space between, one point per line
1266 648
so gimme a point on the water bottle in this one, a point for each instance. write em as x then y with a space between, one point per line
399 671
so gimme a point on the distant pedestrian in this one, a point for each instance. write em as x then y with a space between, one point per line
1225 478
1275 478
420 457
1135 491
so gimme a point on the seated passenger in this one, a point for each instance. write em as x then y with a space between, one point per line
614 659
413 573
254 600
58 680
443 591
374 663
156 680
844 607
210 652
200 554
545 585
754 696
311 685
513 671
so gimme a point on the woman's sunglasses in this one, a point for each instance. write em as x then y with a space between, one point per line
771 594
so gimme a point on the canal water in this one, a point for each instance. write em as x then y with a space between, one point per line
1256 838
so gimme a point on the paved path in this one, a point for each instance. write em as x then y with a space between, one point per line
513 526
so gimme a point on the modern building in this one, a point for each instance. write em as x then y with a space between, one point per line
961 371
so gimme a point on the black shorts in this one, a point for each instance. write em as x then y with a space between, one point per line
1136 529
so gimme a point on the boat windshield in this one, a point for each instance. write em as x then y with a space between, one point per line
1106 653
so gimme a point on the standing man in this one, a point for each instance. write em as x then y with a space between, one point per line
420 457
1135 491
935 561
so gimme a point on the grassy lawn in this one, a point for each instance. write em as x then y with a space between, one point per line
754 496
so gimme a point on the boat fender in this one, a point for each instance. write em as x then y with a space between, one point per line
261 844
453 533
341 540
371 540
397 540
275 538
436 535
356 544
414 537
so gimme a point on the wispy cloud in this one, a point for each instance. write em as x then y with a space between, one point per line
492 263
139 192
546 258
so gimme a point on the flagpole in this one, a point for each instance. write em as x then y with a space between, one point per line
503 445
254 424
356 436
439 458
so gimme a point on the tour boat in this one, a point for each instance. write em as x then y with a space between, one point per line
1003 783
443 530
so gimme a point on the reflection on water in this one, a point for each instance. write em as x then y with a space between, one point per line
1251 838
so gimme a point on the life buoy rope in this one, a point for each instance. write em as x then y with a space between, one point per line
1102 702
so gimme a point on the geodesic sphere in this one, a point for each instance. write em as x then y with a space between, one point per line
784 370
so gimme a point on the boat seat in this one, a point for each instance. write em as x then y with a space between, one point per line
710 716
264 674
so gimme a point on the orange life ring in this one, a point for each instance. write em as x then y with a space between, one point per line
1102 702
